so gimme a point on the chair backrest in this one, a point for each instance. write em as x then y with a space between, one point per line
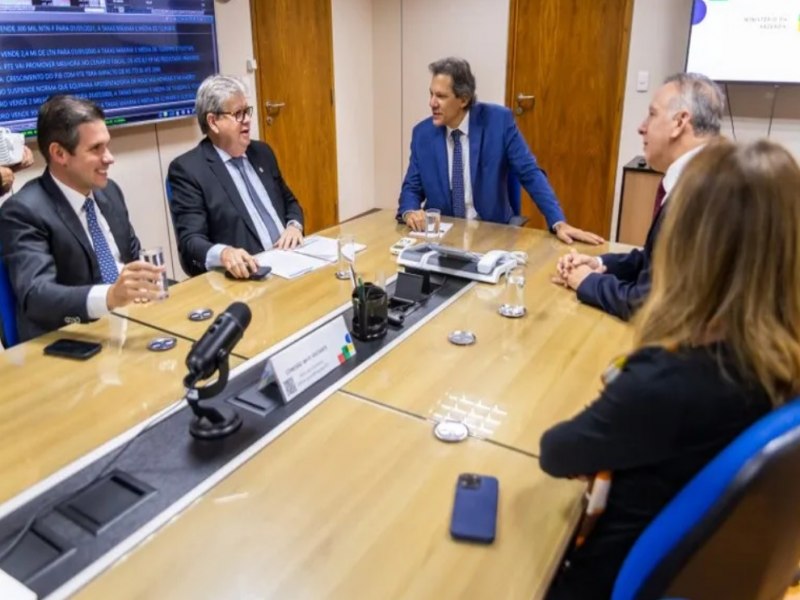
8 307
734 531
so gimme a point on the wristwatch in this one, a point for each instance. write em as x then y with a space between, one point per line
296 224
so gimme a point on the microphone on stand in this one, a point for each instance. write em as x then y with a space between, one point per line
207 356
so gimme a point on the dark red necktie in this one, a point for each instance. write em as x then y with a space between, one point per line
660 194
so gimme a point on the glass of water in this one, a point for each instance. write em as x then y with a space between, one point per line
433 218
346 255
155 256
513 304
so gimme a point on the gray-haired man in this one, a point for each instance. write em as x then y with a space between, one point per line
684 115
229 200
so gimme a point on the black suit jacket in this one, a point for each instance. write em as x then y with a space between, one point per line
624 286
206 207
50 259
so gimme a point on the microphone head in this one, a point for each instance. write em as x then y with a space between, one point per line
241 312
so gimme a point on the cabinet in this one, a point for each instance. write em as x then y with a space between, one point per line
639 186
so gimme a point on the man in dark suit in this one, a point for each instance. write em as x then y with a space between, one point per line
462 156
683 117
70 249
229 200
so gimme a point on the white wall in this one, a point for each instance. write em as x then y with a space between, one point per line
354 105
387 62
476 30
658 45
408 36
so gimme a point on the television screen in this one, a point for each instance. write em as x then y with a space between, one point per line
746 40
141 60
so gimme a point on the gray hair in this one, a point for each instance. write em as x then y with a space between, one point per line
212 94
463 79
703 98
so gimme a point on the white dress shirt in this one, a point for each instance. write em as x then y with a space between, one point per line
463 127
675 169
214 255
671 177
96 305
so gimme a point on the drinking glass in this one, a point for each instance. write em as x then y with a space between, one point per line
346 255
513 298
433 218
155 256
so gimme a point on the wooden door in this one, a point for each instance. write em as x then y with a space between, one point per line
294 47
567 61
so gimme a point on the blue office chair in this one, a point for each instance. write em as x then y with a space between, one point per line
734 531
514 199
8 308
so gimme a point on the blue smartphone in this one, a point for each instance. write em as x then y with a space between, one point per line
475 508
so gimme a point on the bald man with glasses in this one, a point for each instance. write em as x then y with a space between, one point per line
229 199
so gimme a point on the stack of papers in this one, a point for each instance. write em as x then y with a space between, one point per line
289 264
443 228
326 248
316 252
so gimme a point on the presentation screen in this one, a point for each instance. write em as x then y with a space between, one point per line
746 40
141 60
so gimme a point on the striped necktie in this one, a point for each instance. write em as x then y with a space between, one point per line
269 222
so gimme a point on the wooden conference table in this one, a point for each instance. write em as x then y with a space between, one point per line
354 500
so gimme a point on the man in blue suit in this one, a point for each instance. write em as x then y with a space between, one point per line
462 155
685 114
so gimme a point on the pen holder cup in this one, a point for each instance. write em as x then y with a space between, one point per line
370 312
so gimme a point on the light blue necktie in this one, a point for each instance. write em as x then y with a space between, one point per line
457 185
269 222
108 266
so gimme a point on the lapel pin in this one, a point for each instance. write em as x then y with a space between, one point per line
260 169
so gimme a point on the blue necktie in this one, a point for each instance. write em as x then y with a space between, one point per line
108 266
269 222
457 185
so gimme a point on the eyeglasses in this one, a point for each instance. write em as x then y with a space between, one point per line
239 115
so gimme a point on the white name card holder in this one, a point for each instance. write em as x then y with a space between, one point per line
299 366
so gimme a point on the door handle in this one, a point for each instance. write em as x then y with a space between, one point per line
523 99
273 108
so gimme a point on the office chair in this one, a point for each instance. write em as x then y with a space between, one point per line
734 531
8 308
514 199
168 189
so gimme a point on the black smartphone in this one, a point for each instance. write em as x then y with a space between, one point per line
475 508
257 275
77 349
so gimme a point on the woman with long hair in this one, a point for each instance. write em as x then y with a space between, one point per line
717 345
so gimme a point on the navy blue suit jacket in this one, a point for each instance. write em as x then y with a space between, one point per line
496 147
624 286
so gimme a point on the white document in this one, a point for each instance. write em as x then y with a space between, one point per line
443 228
325 248
11 589
289 264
